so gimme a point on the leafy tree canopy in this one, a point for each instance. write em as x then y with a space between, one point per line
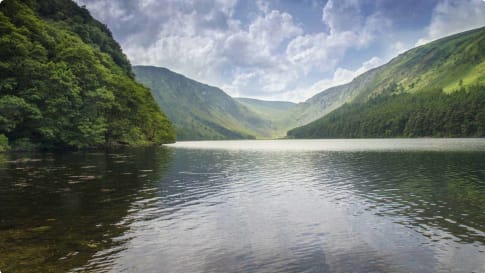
65 83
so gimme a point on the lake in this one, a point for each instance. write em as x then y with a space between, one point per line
384 205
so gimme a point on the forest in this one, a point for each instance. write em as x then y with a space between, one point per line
66 84
424 114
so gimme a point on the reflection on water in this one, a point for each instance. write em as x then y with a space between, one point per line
57 210
237 207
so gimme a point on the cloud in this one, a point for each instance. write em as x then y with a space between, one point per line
221 56
318 51
340 76
324 51
257 45
454 16
349 27
268 48
342 15
361 18
273 28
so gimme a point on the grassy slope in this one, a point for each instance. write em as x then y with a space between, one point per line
449 63
269 109
276 112
200 111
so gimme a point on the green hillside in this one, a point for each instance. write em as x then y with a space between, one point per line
275 112
199 111
327 101
65 83
271 110
438 86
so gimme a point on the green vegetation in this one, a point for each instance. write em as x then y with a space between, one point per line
326 101
3 143
413 95
433 113
65 84
271 110
449 64
275 112
199 111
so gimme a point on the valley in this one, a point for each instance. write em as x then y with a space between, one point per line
397 99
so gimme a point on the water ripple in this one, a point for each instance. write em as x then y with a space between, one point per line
227 207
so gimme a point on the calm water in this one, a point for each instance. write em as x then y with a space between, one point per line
248 206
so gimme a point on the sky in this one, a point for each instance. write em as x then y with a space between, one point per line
278 49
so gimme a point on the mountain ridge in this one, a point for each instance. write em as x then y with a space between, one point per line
200 111
451 64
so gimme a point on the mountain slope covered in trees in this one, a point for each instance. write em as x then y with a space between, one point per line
200 111
65 83
433 90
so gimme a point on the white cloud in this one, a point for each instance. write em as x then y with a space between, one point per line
223 57
342 15
322 52
273 28
280 75
454 16
257 46
318 51
347 29
348 16
270 55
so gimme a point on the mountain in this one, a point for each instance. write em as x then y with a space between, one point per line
65 83
433 90
200 111
327 101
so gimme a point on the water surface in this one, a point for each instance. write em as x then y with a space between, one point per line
248 206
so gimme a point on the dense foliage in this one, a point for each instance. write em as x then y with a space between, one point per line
433 113
64 82
200 111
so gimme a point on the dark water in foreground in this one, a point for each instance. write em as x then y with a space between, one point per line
248 206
